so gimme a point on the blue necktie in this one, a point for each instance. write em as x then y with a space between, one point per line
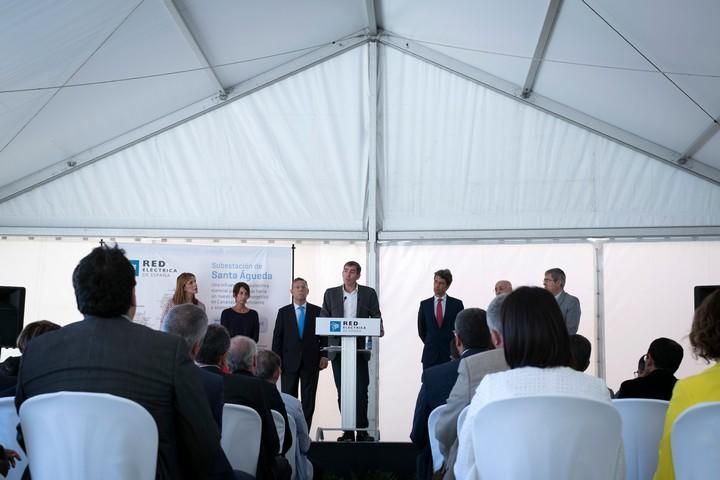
301 320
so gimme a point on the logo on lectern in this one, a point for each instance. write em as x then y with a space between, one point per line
335 326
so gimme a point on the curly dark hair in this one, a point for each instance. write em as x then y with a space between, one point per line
705 330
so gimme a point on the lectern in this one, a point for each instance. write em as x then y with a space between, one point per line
348 329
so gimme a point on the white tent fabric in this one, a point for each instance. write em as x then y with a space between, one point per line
506 147
293 156
459 156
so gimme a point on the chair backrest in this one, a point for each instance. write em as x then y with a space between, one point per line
437 456
547 438
79 435
461 419
241 432
642 426
695 438
279 426
8 435
291 453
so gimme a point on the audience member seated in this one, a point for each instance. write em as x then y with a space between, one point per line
268 369
537 349
9 368
580 350
661 362
7 460
213 354
107 353
471 371
242 387
190 323
471 337
640 372
703 387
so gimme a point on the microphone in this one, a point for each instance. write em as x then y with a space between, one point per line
344 298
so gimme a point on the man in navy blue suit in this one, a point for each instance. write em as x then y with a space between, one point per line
436 320
471 336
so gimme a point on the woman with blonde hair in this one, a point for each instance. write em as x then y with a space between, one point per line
186 290
703 387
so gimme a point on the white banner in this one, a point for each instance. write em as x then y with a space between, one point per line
267 270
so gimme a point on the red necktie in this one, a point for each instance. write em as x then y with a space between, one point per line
438 313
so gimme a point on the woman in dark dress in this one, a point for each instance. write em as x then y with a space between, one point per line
239 319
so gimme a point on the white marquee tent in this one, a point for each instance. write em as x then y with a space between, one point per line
428 133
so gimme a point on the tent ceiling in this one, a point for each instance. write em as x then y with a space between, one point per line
97 51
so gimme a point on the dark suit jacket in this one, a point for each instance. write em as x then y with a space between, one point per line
286 339
244 389
657 384
437 339
116 356
437 382
334 306
213 385
276 403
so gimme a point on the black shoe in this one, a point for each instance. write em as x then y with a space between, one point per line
347 437
363 436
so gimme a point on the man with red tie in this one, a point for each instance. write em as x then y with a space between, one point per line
436 320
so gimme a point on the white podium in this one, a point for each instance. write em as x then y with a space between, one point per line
348 329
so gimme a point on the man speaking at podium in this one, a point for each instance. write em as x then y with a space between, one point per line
351 300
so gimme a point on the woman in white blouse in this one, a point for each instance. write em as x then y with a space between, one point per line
537 349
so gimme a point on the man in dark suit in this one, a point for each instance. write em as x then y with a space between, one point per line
299 348
243 388
107 353
190 323
471 336
554 282
213 352
436 319
661 362
351 300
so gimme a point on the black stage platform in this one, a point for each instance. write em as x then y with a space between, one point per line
363 460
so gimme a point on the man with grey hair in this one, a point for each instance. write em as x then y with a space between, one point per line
242 387
268 369
470 372
190 323
554 282
472 337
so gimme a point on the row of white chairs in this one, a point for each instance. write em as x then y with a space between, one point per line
79 435
543 431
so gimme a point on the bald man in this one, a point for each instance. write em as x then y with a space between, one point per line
503 286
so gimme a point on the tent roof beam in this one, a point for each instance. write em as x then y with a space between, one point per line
552 107
543 41
702 139
371 17
178 117
194 45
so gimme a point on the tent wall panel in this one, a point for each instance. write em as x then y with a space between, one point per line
457 156
293 156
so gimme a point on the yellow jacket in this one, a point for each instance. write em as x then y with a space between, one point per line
703 387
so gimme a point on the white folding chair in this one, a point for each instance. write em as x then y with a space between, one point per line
241 433
279 426
290 454
548 438
80 435
461 419
695 438
8 435
642 426
437 456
